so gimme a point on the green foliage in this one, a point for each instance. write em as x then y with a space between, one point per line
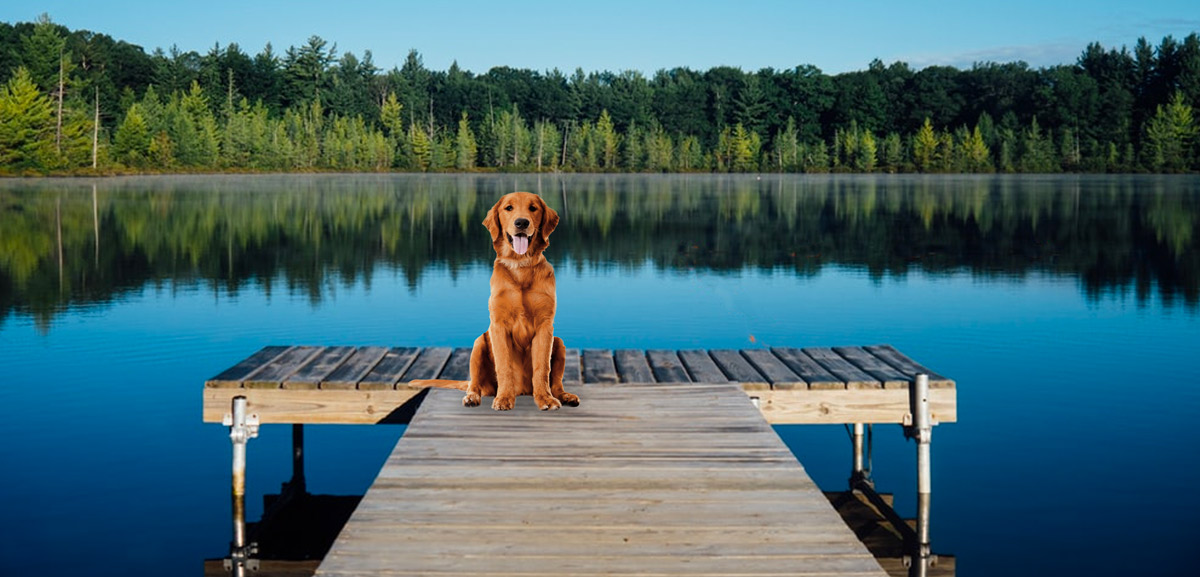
26 123
1113 110
1171 136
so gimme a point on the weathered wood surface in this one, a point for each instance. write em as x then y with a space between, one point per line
643 479
811 385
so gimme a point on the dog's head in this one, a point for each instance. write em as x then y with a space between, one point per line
520 224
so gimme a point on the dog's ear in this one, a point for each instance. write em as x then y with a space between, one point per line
549 222
492 222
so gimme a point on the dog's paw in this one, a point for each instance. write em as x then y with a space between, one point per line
504 403
569 400
548 403
471 400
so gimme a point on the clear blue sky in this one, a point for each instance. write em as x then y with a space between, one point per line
645 35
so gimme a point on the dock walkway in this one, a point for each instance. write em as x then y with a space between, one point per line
638 480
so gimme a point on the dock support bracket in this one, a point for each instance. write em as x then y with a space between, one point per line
242 428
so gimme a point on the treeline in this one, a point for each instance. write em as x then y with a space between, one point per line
71 101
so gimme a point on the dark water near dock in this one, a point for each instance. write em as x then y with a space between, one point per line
1067 308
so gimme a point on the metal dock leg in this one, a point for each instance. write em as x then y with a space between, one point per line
242 428
860 475
922 431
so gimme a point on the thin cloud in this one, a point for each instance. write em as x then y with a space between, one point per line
1036 55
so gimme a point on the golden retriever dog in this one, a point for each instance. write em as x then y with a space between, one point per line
519 354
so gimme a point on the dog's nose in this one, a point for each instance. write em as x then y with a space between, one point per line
522 223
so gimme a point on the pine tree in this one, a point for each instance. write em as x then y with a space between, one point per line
787 148
465 148
131 142
607 140
26 123
925 147
867 150
1170 134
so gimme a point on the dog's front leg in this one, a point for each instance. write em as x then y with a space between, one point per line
543 341
506 371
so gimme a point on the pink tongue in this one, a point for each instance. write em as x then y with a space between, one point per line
520 244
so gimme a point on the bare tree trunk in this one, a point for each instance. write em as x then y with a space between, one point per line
96 133
58 129
566 135
541 138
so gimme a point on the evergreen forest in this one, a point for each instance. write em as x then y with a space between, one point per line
82 102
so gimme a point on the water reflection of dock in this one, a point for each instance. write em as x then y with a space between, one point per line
657 476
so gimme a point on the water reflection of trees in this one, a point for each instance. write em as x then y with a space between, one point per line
68 242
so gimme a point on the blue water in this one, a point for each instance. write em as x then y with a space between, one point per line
1072 454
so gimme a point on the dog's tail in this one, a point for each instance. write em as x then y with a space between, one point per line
440 384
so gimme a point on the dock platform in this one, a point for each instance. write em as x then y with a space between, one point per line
669 466
368 385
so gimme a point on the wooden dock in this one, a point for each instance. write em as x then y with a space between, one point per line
367 385
669 466
638 480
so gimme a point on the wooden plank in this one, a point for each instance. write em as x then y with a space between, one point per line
272 374
736 367
773 369
667 367
632 366
322 365
854 377
701 367
232 377
834 407
890 376
458 366
692 482
572 374
428 364
598 367
806 368
354 369
318 407
897 359
387 371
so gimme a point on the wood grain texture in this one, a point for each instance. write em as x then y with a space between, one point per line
667 367
891 377
428 364
701 367
233 376
387 371
771 367
320 366
354 369
908 366
321 406
272 374
639 480
817 376
736 367
572 373
841 406
843 369
598 367
632 366
458 366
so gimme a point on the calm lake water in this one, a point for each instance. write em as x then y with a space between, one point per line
1067 308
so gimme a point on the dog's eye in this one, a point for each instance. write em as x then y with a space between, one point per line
532 208
508 208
